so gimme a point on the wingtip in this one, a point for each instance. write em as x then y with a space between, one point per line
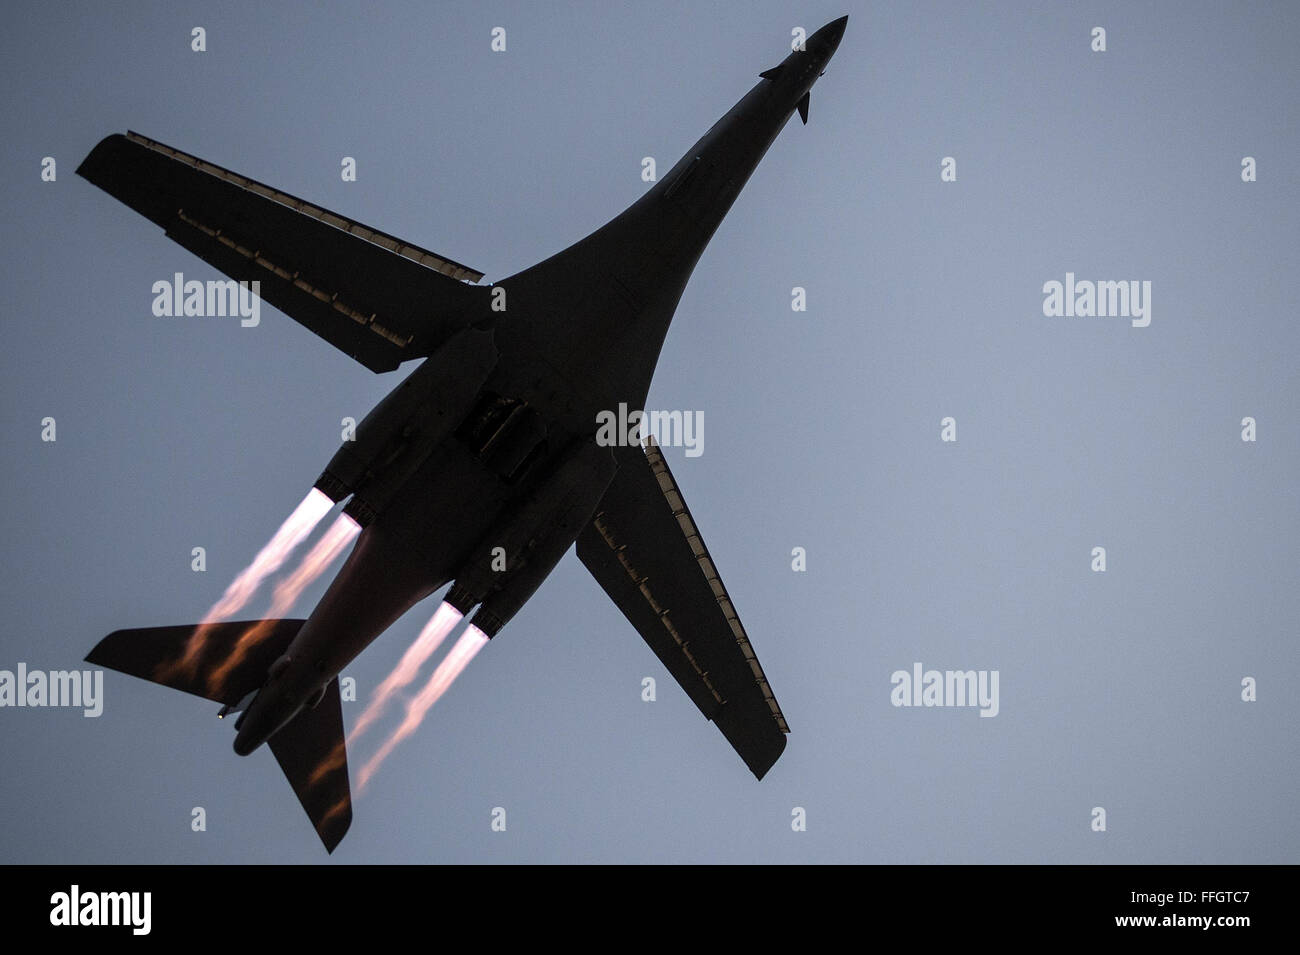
96 156
761 767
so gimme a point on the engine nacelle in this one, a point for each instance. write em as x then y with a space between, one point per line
534 537
405 428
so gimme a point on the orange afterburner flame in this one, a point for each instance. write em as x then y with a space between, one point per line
341 533
442 622
470 643
295 529
292 532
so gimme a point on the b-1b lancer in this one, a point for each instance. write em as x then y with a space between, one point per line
484 465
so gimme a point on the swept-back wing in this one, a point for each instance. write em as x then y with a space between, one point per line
378 299
644 549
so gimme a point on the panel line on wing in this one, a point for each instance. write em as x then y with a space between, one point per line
416 254
659 467
661 612
331 299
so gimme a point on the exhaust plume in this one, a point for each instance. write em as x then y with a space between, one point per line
470 643
287 592
295 529
269 559
443 622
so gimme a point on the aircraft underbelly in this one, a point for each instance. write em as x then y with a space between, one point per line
412 548
575 359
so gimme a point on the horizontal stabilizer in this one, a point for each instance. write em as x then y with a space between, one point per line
222 662
803 107
225 663
311 751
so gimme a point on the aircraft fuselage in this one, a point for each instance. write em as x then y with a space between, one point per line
510 459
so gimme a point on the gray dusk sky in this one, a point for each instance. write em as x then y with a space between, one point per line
1119 689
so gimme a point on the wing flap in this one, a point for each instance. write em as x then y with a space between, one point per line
644 549
375 297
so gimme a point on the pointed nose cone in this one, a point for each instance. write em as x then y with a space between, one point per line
827 40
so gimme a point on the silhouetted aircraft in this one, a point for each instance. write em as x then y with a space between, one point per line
483 466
